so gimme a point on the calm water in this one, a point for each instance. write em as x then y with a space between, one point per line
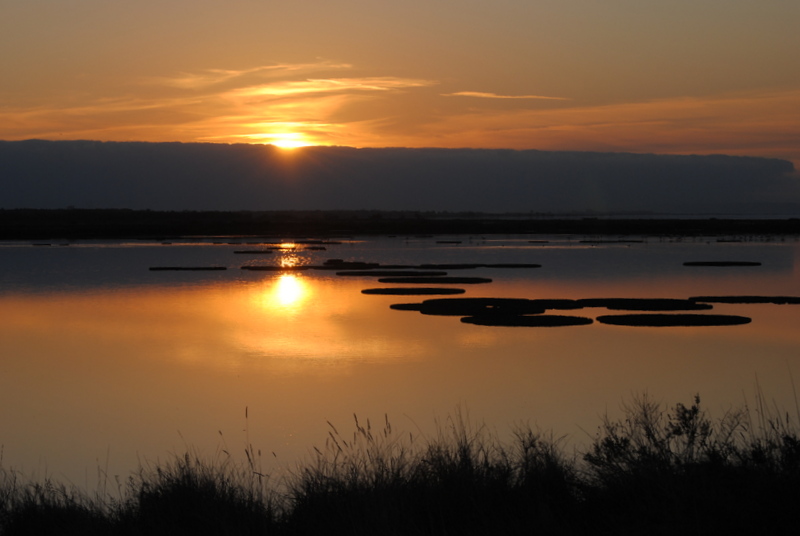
105 364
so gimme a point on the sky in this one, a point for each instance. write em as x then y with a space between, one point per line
676 77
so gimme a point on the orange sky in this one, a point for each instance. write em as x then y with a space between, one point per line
717 76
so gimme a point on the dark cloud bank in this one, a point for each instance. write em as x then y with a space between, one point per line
188 176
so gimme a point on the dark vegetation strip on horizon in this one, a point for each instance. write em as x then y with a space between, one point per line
656 470
125 223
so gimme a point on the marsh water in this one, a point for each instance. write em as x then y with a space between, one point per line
106 364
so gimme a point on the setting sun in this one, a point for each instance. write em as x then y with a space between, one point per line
288 141
285 139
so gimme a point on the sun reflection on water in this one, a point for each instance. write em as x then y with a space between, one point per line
288 292
288 255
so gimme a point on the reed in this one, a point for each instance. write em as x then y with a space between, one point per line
462 481
48 507
680 470
655 470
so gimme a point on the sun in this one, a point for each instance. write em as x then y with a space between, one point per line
287 140
289 144
283 140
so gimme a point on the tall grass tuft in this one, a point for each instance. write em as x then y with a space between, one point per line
462 481
678 470
193 495
48 508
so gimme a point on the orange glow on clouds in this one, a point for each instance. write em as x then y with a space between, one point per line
292 106
483 95
580 75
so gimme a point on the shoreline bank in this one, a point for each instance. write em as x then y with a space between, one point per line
27 224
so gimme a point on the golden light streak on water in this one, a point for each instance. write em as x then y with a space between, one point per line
289 292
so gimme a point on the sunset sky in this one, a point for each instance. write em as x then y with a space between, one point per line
677 76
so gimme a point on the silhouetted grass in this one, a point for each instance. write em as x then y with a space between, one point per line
653 471
660 472
461 482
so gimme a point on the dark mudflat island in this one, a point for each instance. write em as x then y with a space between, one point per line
34 224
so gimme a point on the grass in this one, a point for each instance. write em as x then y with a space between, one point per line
656 470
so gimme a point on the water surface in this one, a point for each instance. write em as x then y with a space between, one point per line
106 364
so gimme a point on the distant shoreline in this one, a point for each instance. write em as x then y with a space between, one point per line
26 224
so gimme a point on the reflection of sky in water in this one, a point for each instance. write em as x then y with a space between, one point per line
91 264
106 358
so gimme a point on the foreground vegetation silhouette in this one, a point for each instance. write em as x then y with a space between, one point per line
656 470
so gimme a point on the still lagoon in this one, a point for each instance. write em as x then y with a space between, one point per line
107 365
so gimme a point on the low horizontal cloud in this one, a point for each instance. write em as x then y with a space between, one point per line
40 174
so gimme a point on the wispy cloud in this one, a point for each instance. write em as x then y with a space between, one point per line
483 95
280 102
211 77
330 103
259 103
330 85
758 123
